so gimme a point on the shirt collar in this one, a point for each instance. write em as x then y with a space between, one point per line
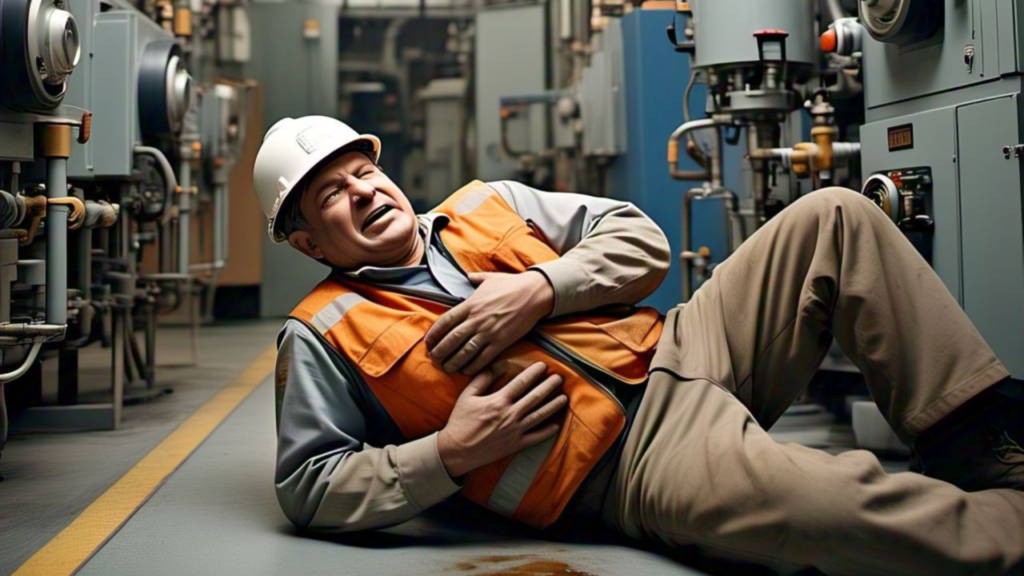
428 224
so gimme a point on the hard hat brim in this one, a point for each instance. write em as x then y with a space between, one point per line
277 236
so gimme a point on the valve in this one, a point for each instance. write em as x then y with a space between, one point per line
844 37
765 37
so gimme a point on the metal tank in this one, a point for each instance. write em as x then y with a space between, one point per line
724 31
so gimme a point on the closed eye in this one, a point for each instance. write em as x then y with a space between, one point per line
330 198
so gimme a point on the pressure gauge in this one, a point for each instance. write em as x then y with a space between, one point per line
881 190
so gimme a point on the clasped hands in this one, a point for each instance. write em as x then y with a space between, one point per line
484 428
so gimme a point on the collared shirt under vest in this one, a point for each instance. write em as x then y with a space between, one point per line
380 332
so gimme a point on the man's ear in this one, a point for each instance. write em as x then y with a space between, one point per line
303 242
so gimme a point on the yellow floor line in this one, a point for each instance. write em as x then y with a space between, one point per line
70 549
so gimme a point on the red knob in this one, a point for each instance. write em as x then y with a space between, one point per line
771 34
829 40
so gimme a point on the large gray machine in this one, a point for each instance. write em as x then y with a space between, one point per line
942 148
938 147
762 68
76 213
39 46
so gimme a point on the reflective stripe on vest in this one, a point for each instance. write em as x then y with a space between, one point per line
381 333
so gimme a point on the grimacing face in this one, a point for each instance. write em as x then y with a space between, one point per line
357 217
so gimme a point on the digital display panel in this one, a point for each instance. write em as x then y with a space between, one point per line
901 137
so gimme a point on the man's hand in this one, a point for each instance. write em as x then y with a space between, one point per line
486 428
502 310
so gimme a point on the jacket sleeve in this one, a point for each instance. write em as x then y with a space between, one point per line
611 252
328 477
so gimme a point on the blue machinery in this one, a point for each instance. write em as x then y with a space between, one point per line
655 82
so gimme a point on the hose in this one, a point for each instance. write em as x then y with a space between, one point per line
692 149
712 173
33 353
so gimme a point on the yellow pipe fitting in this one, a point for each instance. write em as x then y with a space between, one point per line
823 137
183 22
197 155
804 159
77 216
85 131
53 140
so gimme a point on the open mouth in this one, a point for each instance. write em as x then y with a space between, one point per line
375 215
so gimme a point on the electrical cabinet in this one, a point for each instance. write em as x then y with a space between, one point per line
991 216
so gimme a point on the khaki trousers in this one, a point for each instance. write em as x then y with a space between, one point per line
698 467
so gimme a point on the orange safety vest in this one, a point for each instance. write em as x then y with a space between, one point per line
381 333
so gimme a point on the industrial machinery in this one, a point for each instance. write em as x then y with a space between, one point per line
565 137
593 113
942 149
418 64
763 71
153 147
39 43
136 86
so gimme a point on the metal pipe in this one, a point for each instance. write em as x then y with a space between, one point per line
226 225
833 10
171 182
57 242
844 151
32 354
692 150
684 259
82 277
687 252
117 334
32 331
184 208
565 20
841 152
785 156
25 366
165 166
100 214
220 224
15 176
165 263
714 172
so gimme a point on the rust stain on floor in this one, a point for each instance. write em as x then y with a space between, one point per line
519 565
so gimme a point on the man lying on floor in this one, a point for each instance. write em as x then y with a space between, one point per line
490 348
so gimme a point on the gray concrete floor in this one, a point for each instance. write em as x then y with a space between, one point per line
49 478
217 513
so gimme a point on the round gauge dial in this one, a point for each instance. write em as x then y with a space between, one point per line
41 46
901 22
166 92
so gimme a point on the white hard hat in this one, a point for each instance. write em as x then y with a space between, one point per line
293 148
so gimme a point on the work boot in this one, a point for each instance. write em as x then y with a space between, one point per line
979 446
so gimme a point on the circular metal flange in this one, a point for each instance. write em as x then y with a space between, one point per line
165 89
758 105
61 45
901 22
881 190
40 44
